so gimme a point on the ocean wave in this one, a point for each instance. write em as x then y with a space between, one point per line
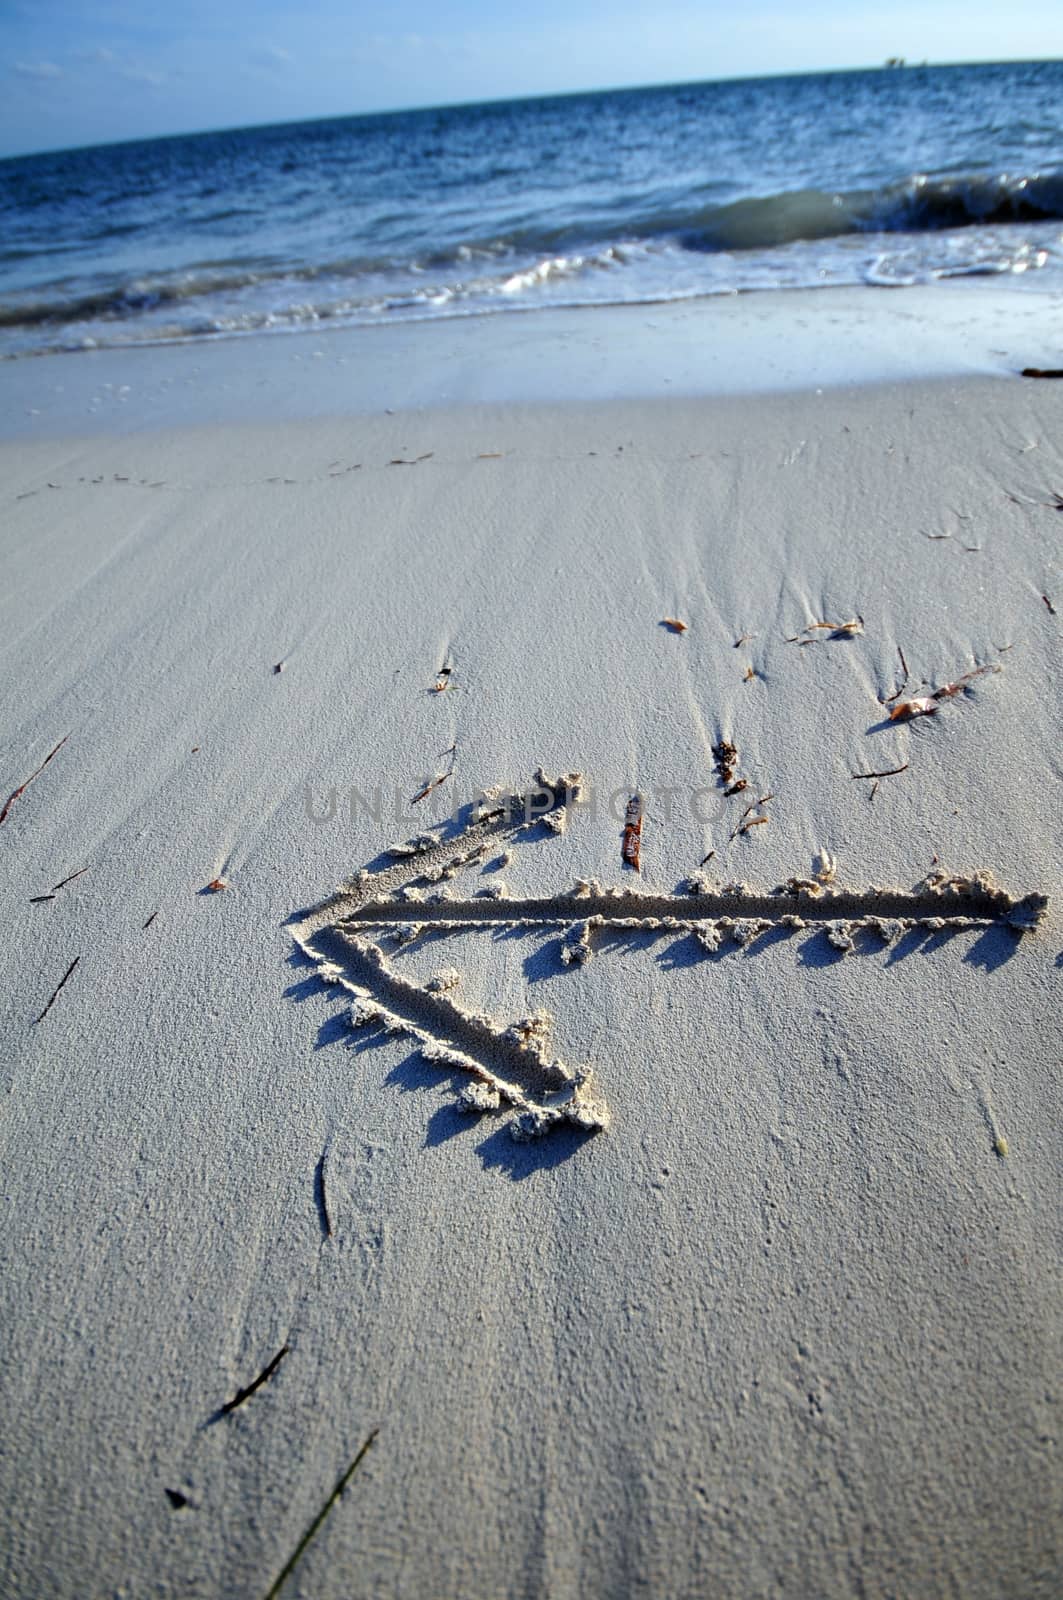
919 204
916 231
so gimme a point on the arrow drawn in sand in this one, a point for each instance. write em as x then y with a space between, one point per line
513 1064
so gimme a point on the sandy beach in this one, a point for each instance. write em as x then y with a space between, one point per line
791 1324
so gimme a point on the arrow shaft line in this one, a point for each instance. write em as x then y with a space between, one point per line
847 905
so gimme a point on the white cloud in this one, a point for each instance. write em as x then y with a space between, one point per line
271 58
37 69
142 75
118 64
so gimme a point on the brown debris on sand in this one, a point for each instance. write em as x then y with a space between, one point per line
748 820
927 705
631 848
9 802
833 630
434 783
725 755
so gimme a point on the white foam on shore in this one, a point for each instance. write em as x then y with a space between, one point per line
776 340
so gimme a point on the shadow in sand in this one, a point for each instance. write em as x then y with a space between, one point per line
305 989
994 946
518 1160
687 949
446 1123
546 962
336 1029
414 1072
919 724
499 1150
817 951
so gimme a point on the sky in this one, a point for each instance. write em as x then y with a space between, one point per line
76 72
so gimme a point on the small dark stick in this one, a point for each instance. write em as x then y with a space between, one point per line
320 1196
150 920
741 826
24 786
888 773
264 1376
279 1582
1044 597
63 881
1042 372
35 899
442 777
898 692
59 985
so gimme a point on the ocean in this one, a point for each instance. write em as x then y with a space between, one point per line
881 178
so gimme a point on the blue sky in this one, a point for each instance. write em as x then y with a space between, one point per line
85 71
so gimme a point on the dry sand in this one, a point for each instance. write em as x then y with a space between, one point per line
792 1326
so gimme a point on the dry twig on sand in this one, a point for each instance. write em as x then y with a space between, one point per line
888 773
55 992
80 873
9 802
747 820
904 683
276 1587
834 630
441 777
264 1376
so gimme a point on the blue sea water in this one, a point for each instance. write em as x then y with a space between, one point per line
882 178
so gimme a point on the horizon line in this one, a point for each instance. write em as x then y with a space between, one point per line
893 64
